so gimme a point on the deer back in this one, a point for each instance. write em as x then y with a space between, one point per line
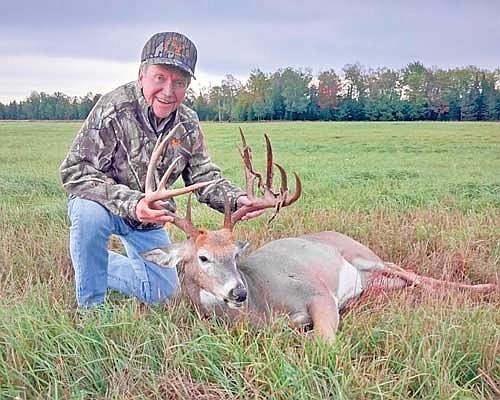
286 274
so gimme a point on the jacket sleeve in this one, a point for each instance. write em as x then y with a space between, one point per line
86 170
200 168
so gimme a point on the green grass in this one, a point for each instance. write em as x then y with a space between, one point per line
424 195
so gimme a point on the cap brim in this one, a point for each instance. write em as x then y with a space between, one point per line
169 61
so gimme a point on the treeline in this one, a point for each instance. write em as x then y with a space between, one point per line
356 94
409 94
55 106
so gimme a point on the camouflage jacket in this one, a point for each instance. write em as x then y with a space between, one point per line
108 159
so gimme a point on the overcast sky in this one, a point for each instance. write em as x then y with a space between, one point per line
95 45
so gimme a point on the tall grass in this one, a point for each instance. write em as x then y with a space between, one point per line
423 195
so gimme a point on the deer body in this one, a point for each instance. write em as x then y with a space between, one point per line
287 274
309 278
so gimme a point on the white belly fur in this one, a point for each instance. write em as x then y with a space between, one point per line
349 283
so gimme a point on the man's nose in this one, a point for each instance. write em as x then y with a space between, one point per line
168 88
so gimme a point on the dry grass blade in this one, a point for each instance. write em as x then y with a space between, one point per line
181 386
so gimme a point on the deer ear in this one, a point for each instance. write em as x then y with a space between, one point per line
168 257
241 247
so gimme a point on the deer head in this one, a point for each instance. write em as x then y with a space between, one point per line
209 257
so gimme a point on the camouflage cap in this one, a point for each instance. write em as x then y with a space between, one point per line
170 48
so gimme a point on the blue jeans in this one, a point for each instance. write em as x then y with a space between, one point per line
97 268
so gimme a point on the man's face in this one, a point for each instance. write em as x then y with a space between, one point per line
164 88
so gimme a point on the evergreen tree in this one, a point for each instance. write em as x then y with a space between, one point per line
474 106
274 97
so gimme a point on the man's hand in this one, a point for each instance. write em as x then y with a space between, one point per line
152 212
243 200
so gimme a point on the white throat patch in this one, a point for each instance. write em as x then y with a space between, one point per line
208 300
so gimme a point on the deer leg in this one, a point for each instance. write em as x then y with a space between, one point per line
301 320
324 312
378 280
429 283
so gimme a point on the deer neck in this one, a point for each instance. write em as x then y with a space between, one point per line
256 291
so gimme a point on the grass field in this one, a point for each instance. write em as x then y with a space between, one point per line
423 195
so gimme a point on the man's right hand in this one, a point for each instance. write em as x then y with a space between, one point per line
152 212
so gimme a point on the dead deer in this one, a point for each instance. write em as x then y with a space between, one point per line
310 278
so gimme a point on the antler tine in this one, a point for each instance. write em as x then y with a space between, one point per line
153 162
249 177
168 172
284 200
298 190
250 173
227 213
188 208
284 179
161 193
185 224
243 141
269 164
284 187
269 198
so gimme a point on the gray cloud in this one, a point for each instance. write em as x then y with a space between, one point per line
238 37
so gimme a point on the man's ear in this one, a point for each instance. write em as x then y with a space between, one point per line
241 246
168 257
140 77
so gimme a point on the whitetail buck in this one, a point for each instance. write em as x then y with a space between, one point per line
309 278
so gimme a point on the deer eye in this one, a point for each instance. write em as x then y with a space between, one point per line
203 258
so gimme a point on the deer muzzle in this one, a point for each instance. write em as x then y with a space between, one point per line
237 296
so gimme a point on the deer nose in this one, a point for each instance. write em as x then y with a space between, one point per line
238 294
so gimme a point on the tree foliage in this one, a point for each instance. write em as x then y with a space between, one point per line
415 92
55 106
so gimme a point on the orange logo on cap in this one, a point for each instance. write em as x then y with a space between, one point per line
178 48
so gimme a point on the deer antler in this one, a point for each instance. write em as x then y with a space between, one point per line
269 199
162 193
